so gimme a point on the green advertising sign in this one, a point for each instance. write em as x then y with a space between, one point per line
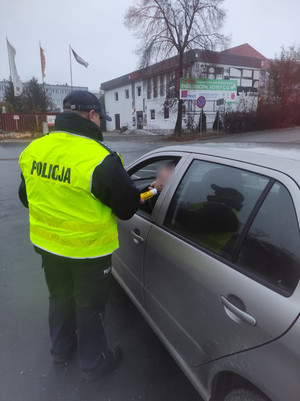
210 89
199 84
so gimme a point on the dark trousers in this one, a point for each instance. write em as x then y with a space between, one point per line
79 289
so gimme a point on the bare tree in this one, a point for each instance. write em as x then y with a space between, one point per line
283 85
171 27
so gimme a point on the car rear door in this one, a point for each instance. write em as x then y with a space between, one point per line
212 294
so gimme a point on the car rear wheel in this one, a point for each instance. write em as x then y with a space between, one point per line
243 394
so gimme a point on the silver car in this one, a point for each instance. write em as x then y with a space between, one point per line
213 263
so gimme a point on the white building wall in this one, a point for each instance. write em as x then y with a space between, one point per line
138 111
145 107
155 108
116 104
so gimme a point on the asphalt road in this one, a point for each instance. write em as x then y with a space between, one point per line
26 370
27 373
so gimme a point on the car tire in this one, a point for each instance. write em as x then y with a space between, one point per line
244 394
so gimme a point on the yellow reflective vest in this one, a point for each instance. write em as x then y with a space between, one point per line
65 217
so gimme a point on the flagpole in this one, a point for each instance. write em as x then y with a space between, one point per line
71 68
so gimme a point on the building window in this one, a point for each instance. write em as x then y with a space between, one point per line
166 111
139 90
155 88
116 96
152 112
126 93
162 85
170 85
149 88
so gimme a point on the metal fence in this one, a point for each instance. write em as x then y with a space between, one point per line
23 122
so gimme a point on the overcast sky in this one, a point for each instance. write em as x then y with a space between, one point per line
95 30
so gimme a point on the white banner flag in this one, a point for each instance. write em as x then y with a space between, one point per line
17 84
79 59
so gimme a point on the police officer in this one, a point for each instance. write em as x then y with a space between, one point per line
75 186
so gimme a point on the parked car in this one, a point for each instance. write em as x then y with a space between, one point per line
213 263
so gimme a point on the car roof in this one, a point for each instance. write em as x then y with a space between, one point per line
283 157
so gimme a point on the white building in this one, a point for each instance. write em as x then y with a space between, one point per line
56 93
145 99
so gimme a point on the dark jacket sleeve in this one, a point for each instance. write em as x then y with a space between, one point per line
22 192
113 186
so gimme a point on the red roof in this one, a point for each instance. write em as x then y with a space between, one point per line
248 51
171 64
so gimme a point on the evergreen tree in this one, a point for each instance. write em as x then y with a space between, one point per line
34 98
218 125
202 122
14 103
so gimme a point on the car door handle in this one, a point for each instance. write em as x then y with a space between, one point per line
137 239
236 313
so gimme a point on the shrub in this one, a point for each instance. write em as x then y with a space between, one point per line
240 121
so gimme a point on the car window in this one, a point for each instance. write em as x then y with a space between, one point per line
212 204
271 249
155 172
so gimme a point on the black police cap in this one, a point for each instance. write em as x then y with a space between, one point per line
84 101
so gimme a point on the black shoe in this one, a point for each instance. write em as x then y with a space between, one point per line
66 356
60 358
112 359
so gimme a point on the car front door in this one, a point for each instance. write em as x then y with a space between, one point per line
222 262
128 260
